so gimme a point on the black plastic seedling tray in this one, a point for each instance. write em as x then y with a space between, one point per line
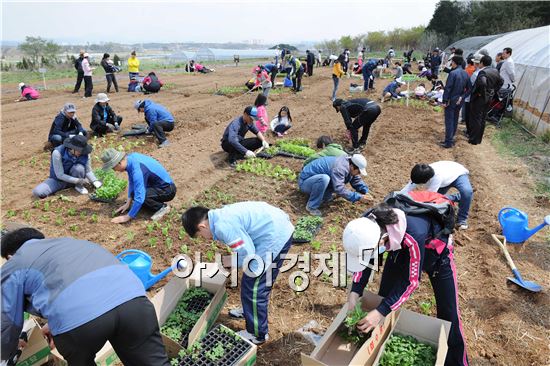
135 132
314 233
234 349
93 197
139 126
264 155
197 305
289 155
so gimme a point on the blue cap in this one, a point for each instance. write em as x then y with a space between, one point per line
252 112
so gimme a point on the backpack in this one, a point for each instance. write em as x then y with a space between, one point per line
438 206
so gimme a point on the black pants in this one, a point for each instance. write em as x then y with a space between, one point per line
160 127
79 78
88 86
442 272
132 328
111 79
364 120
467 117
252 143
273 75
100 130
478 113
310 69
297 80
155 197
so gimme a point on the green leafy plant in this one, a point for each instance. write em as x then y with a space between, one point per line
184 249
316 244
94 218
153 242
112 186
295 141
130 235
216 353
349 331
71 211
402 350
181 234
263 168
59 221
26 215
169 242
332 229
11 213
46 206
295 149
306 227
74 228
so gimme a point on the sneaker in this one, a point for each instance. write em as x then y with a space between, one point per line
314 211
160 213
462 225
252 338
81 189
164 144
279 134
237 313
117 126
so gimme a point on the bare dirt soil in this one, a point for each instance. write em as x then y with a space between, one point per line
504 325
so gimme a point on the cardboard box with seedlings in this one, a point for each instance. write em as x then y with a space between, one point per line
425 329
36 351
167 299
335 350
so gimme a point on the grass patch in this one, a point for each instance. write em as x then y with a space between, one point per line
512 140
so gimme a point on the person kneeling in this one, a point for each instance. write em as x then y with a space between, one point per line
70 166
104 119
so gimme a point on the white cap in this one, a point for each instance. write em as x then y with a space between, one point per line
360 162
85 54
102 97
21 85
360 238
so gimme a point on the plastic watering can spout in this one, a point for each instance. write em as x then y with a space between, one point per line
140 263
160 276
531 232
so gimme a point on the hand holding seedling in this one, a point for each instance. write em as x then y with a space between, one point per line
370 321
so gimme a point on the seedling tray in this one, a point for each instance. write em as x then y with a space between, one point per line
290 155
197 305
139 126
264 155
93 197
234 349
314 233
135 132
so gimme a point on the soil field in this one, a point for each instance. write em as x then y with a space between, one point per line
503 324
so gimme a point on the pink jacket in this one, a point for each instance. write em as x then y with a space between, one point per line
198 66
263 122
263 79
28 90
86 67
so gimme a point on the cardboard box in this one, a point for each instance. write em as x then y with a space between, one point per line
333 350
164 301
168 297
424 328
37 350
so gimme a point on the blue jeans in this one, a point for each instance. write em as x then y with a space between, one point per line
336 81
451 122
318 189
133 74
464 196
367 81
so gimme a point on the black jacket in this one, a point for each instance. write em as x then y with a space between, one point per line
98 118
109 69
488 82
354 107
78 64
63 126
310 58
153 86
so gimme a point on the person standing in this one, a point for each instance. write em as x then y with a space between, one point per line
499 60
88 83
323 177
319 58
133 66
86 294
263 80
508 69
158 119
345 60
366 71
104 119
149 184
337 73
310 61
487 83
65 125
109 72
475 61
233 141
398 70
248 229
435 62
453 97
363 112
296 72
79 71
70 166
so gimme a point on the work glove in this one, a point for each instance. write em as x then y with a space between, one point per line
80 133
82 181
249 154
265 144
97 184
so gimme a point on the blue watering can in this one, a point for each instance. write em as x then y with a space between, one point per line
140 263
515 227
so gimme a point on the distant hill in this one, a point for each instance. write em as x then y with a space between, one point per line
285 46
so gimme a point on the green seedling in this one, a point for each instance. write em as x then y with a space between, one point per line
150 228
26 215
130 235
36 204
332 229
59 221
349 331
263 168
45 218
184 249
112 186
316 244
210 255
46 206
83 214
333 248
95 218
216 353
71 211
169 242
181 234
153 242
166 230
11 213
73 228
299 150
403 350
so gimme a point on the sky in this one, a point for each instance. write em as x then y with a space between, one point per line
269 22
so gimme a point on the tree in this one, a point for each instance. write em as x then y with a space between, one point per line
346 42
38 48
331 46
285 46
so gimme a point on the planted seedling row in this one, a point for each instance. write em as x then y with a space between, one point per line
306 229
